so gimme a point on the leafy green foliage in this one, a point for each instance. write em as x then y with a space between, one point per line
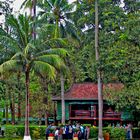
10 132
19 131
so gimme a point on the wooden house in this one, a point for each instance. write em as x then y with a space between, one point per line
81 104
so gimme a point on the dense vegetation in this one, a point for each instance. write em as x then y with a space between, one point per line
31 47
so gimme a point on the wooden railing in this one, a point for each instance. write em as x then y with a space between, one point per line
92 114
81 113
112 114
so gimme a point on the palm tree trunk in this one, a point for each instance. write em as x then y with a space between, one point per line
62 99
27 132
46 118
61 77
19 97
11 98
100 99
13 109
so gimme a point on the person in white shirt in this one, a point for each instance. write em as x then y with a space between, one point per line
56 134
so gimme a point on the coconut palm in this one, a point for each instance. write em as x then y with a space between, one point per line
25 56
31 4
58 12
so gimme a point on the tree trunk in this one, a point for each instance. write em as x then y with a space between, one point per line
19 97
100 99
62 99
46 118
12 107
27 132
40 117
6 113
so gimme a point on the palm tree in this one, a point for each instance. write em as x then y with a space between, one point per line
39 58
31 4
58 12
100 99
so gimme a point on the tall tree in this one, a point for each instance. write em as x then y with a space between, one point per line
31 4
100 96
56 12
28 57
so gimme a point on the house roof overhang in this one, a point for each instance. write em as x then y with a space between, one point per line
86 91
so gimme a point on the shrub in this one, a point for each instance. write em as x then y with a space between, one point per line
42 131
19 131
93 132
36 133
10 132
117 133
136 132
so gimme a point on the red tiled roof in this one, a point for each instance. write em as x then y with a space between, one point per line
85 91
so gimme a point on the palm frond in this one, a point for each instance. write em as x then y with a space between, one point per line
8 66
53 60
46 31
2 32
24 24
58 51
18 54
17 28
28 49
57 3
26 4
55 43
68 8
45 69
71 30
46 5
9 43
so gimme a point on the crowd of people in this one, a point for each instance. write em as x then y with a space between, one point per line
68 131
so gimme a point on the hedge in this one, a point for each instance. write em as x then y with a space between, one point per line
39 132
115 133
18 131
